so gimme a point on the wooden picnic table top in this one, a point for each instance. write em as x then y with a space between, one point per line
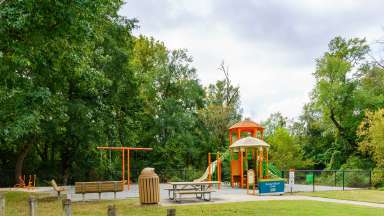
194 183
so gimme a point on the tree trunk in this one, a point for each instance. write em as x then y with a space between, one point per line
341 130
20 160
65 163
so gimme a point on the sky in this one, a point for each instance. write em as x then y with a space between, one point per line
270 47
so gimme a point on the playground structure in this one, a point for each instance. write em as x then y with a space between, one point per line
123 149
212 166
239 152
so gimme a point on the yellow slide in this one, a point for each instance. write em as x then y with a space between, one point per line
204 177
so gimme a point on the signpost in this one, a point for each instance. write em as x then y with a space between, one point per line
291 180
251 181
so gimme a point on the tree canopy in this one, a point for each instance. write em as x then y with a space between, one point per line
73 77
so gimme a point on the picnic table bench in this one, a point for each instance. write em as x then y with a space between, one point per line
99 187
202 190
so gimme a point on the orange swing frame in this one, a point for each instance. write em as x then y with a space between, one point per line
123 149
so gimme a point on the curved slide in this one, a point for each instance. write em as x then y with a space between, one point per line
274 171
204 177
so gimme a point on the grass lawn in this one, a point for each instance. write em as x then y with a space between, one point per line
374 196
16 204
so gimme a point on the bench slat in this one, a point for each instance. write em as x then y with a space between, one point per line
98 187
194 192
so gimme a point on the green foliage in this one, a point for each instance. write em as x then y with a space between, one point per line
335 91
74 77
285 152
378 178
371 131
274 121
346 87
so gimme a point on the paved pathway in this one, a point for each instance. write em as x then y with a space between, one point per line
226 194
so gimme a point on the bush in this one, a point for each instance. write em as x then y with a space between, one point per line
378 178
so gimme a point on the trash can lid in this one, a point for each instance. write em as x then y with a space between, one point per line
148 171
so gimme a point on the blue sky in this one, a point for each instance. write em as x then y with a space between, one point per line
269 46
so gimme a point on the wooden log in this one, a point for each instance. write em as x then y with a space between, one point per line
171 212
111 210
32 206
2 205
67 207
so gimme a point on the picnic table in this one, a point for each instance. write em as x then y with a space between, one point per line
200 189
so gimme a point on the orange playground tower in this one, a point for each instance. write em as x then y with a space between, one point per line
236 132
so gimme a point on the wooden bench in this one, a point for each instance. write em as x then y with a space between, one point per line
201 193
99 187
57 188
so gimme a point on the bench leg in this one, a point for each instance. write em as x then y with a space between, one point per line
83 196
173 195
209 197
114 195
178 199
199 196
99 196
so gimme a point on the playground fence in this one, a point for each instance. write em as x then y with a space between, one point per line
305 180
325 180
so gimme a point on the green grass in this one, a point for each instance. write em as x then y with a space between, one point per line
375 196
17 205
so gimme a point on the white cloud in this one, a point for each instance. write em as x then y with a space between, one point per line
270 56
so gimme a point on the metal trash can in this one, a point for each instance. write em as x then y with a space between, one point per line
149 186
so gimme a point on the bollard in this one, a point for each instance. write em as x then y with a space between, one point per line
111 210
2 205
32 206
171 212
67 208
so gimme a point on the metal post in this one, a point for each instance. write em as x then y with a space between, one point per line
185 174
2 205
122 166
67 207
111 210
171 212
370 178
313 181
32 206
335 178
343 179
128 170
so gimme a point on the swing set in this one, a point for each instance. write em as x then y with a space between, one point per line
123 149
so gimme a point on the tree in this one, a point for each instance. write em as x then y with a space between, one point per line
222 109
371 131
172 96
335 92
285 152
274 121
49 82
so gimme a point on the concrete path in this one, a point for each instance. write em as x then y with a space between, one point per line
247 198
226 194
